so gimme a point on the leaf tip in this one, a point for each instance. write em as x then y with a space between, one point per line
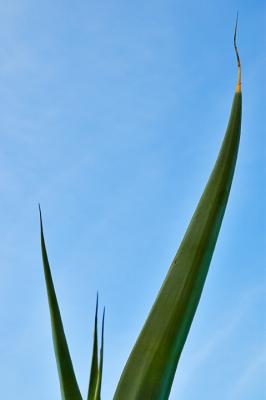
238 86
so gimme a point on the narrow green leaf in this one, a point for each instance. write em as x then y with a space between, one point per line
94 361
99 382
150 369
68 382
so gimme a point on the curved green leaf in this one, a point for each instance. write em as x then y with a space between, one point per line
94 362
68 382
150 369
100 372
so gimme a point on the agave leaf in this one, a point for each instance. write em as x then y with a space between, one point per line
68 382
150 369
100 371
94 362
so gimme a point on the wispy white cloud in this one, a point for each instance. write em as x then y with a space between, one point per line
256 367
227 329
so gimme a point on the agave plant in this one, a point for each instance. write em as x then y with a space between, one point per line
151 366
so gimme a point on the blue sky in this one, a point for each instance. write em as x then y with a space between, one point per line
112 114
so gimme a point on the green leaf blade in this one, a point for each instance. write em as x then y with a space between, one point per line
100 371
150 369
68 383
94 362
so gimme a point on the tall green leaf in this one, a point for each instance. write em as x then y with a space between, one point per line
94 362
150 369
96 368
68 382
100 372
